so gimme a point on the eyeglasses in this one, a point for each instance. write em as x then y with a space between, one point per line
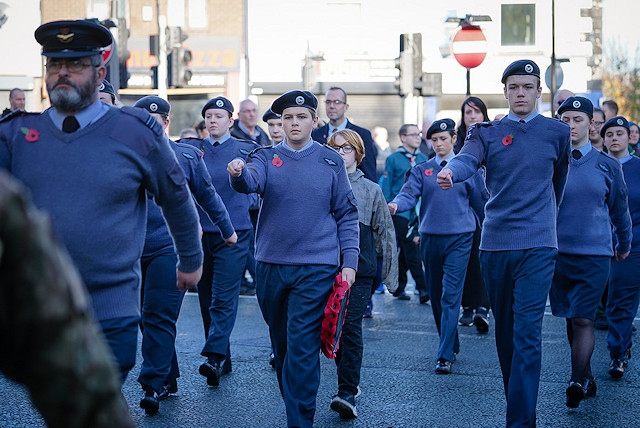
346 149
413 135
74 66
334 102
598 123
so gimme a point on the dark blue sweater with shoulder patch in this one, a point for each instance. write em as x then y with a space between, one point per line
526 171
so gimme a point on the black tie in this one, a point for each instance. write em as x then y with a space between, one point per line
522 121
70 124
443 163
576 154
216 143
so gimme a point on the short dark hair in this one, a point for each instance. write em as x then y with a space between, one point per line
612 105
404 128
337 88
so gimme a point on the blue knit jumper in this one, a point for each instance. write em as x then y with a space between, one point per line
595 198
93 183
443 212
526 171
631 170
216 159
309 214
207 199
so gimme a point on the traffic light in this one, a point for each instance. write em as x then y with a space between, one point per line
123 52
404 63
179 59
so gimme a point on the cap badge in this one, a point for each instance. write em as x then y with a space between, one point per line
65 36
219 103
299 100
620 122
153 106
101 87
443 126
576 104
528 68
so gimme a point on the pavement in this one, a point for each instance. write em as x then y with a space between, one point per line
399 385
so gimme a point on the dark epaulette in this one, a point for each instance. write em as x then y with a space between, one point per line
144 117
189 151
257 149
17 113
330 153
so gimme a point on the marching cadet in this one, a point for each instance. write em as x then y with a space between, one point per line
304 185
596 186
161 300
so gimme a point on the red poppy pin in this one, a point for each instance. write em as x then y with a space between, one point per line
507 140
428 172
31 135
202 150
276 161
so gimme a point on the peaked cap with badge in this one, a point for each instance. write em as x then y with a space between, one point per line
219 103
615 121
72 39
441 125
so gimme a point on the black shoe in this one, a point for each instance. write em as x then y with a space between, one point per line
589 386
272 360
345 404
467 317
424 298
150 402
616 368
481 319
443 366
213 370
575 393
168 389
403 296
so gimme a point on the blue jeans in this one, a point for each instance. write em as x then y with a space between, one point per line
292 299
349 357
518 282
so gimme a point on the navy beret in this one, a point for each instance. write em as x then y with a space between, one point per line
153 104
441 125
294 98
218 102
107 87
524 67
580 104
270 115
72 39
614 121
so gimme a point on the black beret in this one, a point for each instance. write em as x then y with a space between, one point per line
614 121
294 98
580 104
107 87
72 39
441 125
270 115
218 102
524 67
153 104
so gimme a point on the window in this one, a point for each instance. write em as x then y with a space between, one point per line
518 24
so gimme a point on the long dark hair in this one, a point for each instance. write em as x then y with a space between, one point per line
462 127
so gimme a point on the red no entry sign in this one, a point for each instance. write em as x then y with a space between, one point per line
107 52
469 46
